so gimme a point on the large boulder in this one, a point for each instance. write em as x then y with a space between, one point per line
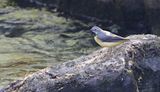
129 67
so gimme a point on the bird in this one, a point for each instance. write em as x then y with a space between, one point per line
107 39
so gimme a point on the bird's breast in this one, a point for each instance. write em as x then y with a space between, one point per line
107 44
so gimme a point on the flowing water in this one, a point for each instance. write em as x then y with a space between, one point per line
32 39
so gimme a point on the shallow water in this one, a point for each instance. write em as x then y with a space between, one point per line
31 40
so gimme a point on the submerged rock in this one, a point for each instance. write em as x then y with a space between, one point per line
129 67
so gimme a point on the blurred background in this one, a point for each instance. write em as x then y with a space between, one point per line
35 34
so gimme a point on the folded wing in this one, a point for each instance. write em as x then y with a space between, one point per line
110 38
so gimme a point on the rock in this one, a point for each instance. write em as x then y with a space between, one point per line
129 67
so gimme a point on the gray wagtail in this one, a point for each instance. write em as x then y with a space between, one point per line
107 39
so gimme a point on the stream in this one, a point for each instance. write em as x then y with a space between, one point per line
32 39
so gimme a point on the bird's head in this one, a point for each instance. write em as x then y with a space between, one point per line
96 29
